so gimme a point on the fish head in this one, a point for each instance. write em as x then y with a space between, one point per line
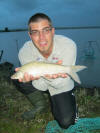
17 75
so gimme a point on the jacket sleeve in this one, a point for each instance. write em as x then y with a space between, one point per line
40 84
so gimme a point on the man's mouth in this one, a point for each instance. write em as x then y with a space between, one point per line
43 44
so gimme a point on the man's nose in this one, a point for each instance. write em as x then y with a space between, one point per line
41 35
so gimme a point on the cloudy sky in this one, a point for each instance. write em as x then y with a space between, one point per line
15 13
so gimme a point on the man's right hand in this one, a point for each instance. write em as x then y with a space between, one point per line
27 77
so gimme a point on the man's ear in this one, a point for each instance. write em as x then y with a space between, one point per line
53 30
29 34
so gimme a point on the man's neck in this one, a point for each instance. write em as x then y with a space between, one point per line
48 53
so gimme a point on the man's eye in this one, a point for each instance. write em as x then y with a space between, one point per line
34 32
47 29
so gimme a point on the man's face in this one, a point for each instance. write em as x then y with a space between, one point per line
42 35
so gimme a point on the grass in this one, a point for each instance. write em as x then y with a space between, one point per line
13 104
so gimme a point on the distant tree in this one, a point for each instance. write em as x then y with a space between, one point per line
1 54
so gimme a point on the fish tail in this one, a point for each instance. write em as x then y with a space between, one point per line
75 76
77 68
73 73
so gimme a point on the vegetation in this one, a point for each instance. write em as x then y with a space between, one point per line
13 104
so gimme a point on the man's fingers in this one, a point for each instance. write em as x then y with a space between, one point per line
59 62
17 69
64 75
54 76
34 78
26 77
20 80
48 76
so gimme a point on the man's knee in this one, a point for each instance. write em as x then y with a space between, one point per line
25 88
66 122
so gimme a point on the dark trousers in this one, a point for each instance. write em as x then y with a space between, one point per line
63 105
64 108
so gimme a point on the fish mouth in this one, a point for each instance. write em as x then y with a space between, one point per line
13 77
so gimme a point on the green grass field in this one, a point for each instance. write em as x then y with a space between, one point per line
13 104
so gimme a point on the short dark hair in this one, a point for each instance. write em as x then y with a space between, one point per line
39 16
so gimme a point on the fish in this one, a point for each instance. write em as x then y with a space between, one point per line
36 68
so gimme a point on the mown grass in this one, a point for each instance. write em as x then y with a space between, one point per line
13 104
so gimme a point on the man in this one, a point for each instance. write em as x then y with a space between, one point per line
48 47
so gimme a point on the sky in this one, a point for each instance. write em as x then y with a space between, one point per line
15 13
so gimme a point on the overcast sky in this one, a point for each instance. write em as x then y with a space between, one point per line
15 13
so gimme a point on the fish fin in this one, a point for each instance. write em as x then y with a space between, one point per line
75 76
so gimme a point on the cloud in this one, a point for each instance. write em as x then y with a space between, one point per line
15 13
19 5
